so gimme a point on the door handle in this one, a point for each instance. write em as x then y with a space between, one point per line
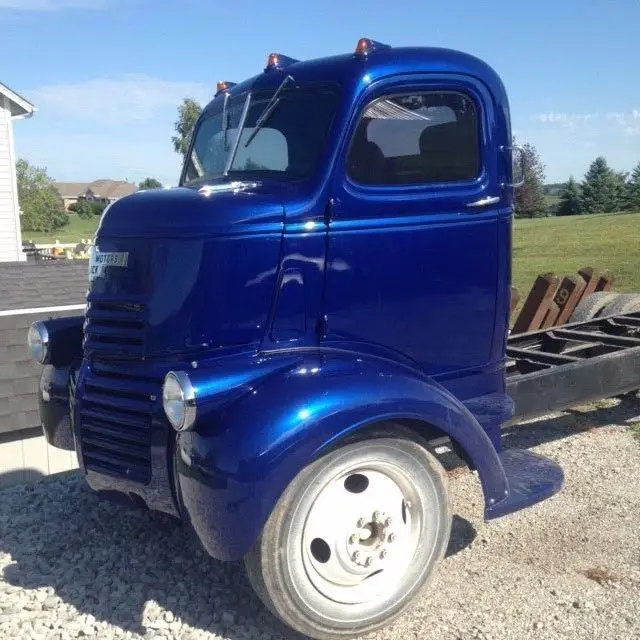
483 202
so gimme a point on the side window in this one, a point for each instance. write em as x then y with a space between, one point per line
416 139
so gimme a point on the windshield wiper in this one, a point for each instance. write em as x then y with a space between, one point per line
236 142
225 122
268 110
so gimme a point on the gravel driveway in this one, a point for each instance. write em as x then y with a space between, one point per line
73 566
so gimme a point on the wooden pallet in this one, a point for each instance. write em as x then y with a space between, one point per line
551 300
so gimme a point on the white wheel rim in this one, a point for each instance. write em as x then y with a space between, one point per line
361 533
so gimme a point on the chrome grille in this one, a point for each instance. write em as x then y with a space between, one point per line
115 328
116 422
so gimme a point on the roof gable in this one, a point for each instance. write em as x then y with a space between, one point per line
19 107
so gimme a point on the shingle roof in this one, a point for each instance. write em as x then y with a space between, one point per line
103 188
29 285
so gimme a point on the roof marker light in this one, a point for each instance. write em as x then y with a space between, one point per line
277 61
366 46
223 85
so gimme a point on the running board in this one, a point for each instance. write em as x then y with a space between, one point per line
532 478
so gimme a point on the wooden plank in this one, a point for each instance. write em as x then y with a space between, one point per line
550 320
591 277
605 283
537 303
567 297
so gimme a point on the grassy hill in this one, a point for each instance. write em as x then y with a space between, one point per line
561 245
77 229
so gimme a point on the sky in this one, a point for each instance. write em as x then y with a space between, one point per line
107 75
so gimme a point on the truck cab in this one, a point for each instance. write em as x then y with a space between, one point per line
270 349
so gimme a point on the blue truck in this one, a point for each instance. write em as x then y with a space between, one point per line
271 349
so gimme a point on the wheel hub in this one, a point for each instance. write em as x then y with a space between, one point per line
359 535
369 543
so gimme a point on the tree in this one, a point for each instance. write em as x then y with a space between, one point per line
150 183
84 209
530 202
622 190
41 206
570 203
599 188
634 189
188 113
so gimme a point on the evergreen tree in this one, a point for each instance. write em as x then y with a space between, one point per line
622 195
570 202
529 198
599 188
634 189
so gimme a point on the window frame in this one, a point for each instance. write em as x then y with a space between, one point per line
420 186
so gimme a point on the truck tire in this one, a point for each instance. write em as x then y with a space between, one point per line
624 303
354 538
592 306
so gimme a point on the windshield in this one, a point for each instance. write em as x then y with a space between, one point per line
288 143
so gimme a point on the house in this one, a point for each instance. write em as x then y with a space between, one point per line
12 107
106 191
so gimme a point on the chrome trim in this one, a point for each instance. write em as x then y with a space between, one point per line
189 399
523 155
483 202
40 328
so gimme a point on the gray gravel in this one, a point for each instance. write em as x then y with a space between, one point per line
73 566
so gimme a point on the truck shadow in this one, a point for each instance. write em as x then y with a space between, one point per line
143 572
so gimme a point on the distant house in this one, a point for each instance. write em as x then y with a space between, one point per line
12 107
99 190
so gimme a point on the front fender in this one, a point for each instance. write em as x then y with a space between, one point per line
233 468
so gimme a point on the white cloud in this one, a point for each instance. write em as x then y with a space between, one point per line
51 5
567 118
116 100
636 114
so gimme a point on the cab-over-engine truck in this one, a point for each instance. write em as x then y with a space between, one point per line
270 349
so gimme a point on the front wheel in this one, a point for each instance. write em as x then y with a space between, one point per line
353 539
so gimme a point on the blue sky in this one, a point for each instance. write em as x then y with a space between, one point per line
107 75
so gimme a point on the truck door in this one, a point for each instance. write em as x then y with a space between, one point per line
416 257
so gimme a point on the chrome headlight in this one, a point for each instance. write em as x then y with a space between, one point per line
38 339
179 400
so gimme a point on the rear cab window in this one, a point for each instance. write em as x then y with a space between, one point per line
414 139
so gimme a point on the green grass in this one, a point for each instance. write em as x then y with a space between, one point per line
73 232
564 245
561 245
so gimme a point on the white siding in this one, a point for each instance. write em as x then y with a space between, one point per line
10 238
28 459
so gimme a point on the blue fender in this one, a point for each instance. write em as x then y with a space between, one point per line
231 470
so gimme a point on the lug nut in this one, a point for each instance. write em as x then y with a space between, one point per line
376 516
387 522
356 556
383 554
353 538
361 522
368 562
392 537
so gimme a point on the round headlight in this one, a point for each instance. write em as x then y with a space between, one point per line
38 339
179 400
